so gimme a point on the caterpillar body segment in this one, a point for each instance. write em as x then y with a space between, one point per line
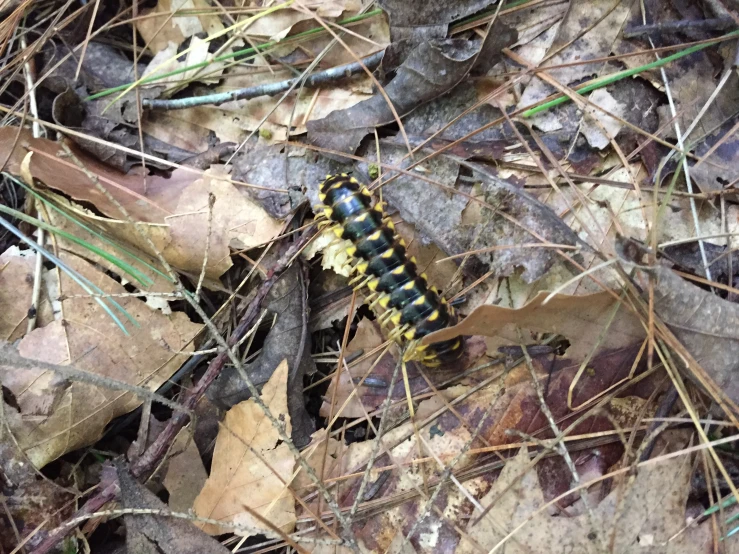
381 263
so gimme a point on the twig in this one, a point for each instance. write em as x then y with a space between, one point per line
715 24
268 89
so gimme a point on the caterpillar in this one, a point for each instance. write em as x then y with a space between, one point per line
380 262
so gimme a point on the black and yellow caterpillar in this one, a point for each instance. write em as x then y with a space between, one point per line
380 262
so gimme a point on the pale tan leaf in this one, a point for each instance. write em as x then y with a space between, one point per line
237 223
185 475
248 469
17 269
159 26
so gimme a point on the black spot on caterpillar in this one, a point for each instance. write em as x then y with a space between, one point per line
379 259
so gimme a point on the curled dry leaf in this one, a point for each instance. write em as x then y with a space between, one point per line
176 207
250 471
59 415
431 69
705 324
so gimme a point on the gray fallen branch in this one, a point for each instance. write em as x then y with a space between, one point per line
270 89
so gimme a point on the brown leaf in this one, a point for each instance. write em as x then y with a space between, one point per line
186 475
249 469
580 318
58 416
180 202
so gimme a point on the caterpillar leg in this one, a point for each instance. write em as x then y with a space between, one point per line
385 318
361 284
398 332
381 299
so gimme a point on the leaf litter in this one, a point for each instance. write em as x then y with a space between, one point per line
596 278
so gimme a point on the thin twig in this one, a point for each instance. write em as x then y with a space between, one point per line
268 89
716 24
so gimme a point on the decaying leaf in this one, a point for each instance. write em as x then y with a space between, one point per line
588 31
513 405
692 80
249 469
646 513
416 21
720 168
29 502
287 340
59 415
158 533
291 170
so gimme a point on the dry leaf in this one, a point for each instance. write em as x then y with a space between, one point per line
177 207
248 469
580 318
58 416
237 223
149 533
643 515
607 127
159 27
705 324
17 270
588 31
186 474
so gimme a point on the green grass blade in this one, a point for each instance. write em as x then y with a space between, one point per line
86 285
610 79
123 266
91 230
